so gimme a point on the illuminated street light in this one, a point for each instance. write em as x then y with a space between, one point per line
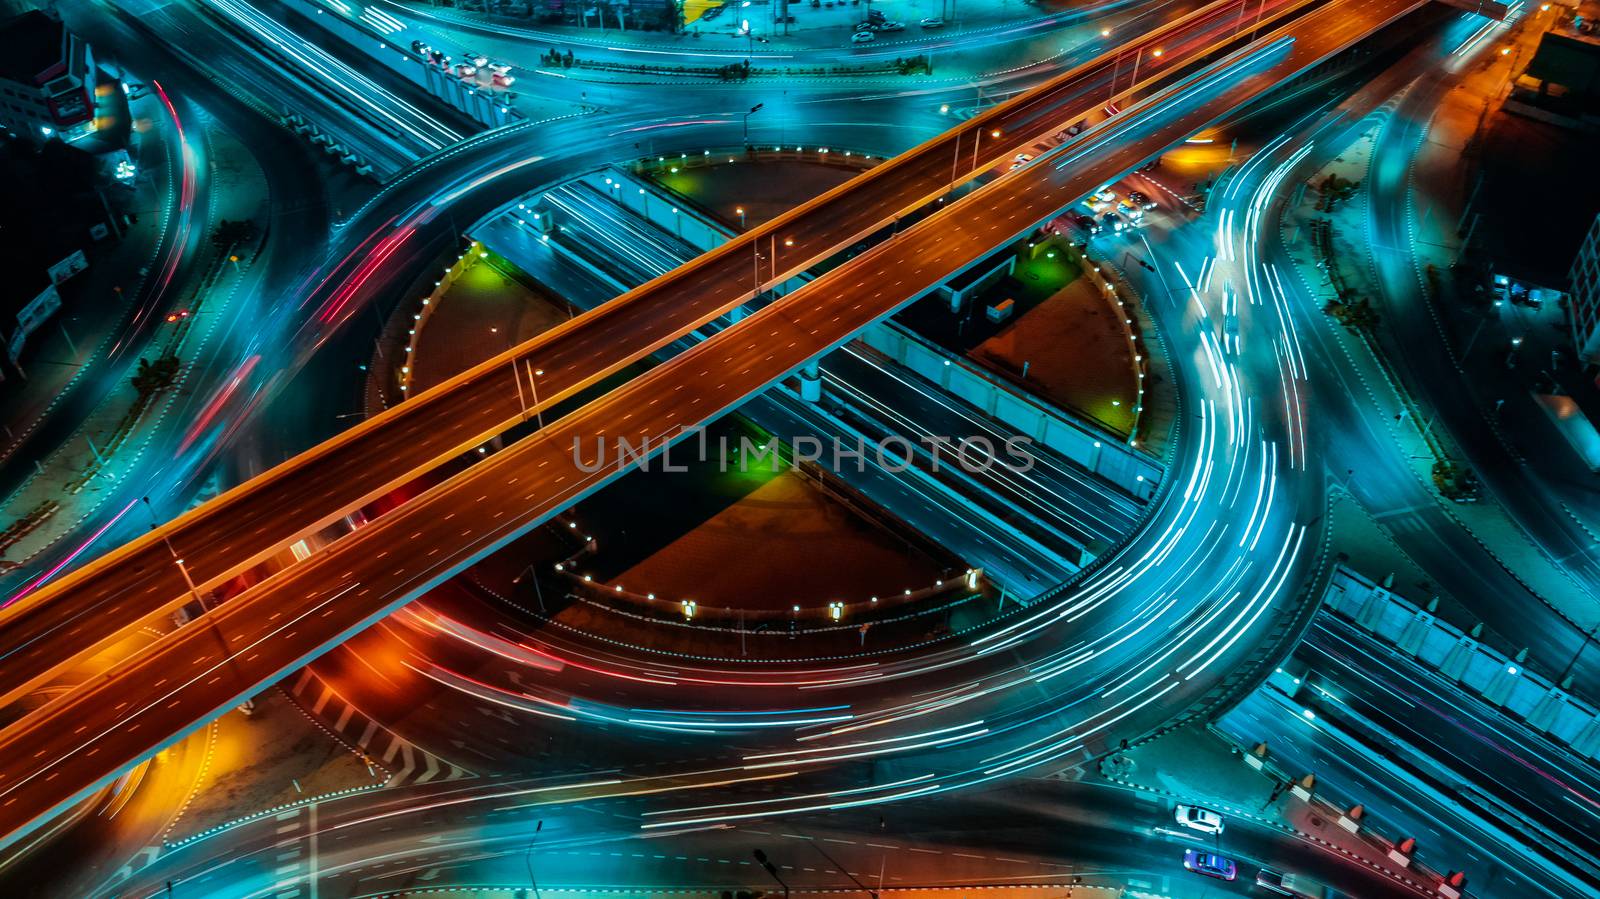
533 386
753 110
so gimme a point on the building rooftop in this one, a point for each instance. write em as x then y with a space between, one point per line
30 45
1570 61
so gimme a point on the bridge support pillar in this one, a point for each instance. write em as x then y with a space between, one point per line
811 383
1416 630
1498 690
1587 742
1547 711
1455 661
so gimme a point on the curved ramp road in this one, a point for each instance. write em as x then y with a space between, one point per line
51 625
1155 630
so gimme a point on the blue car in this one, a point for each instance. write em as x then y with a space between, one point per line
1210 864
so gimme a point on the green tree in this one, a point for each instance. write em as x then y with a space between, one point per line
153 377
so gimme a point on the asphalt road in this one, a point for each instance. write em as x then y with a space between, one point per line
279 625
473 833
63 620
1422 758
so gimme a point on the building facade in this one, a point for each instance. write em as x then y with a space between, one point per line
1583 291
47 79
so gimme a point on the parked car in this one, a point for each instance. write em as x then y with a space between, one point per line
863 37
1195 817
932 22
892 26
1210 864
864 26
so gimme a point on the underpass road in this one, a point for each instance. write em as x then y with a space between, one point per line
222 658
88 608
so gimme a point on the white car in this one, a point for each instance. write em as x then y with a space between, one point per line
1196 818
932 22
1021 160
863 37
892 26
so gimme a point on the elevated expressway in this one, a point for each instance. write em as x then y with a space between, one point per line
58 623
1200 585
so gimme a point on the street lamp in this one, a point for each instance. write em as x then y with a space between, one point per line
1136 60
977 138
167 539
753 110
740 210
761 857
529 858
522 402
193 590
534 387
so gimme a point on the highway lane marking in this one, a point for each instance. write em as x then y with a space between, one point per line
136 725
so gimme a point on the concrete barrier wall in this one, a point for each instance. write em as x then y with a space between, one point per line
1096 450
481 104
1459 656
1102 453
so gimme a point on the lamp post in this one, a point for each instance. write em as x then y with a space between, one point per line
528 857
167 539
761 858
1136 60
193 590
533 386
753 110
740 210
522 403
835 862
978 139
